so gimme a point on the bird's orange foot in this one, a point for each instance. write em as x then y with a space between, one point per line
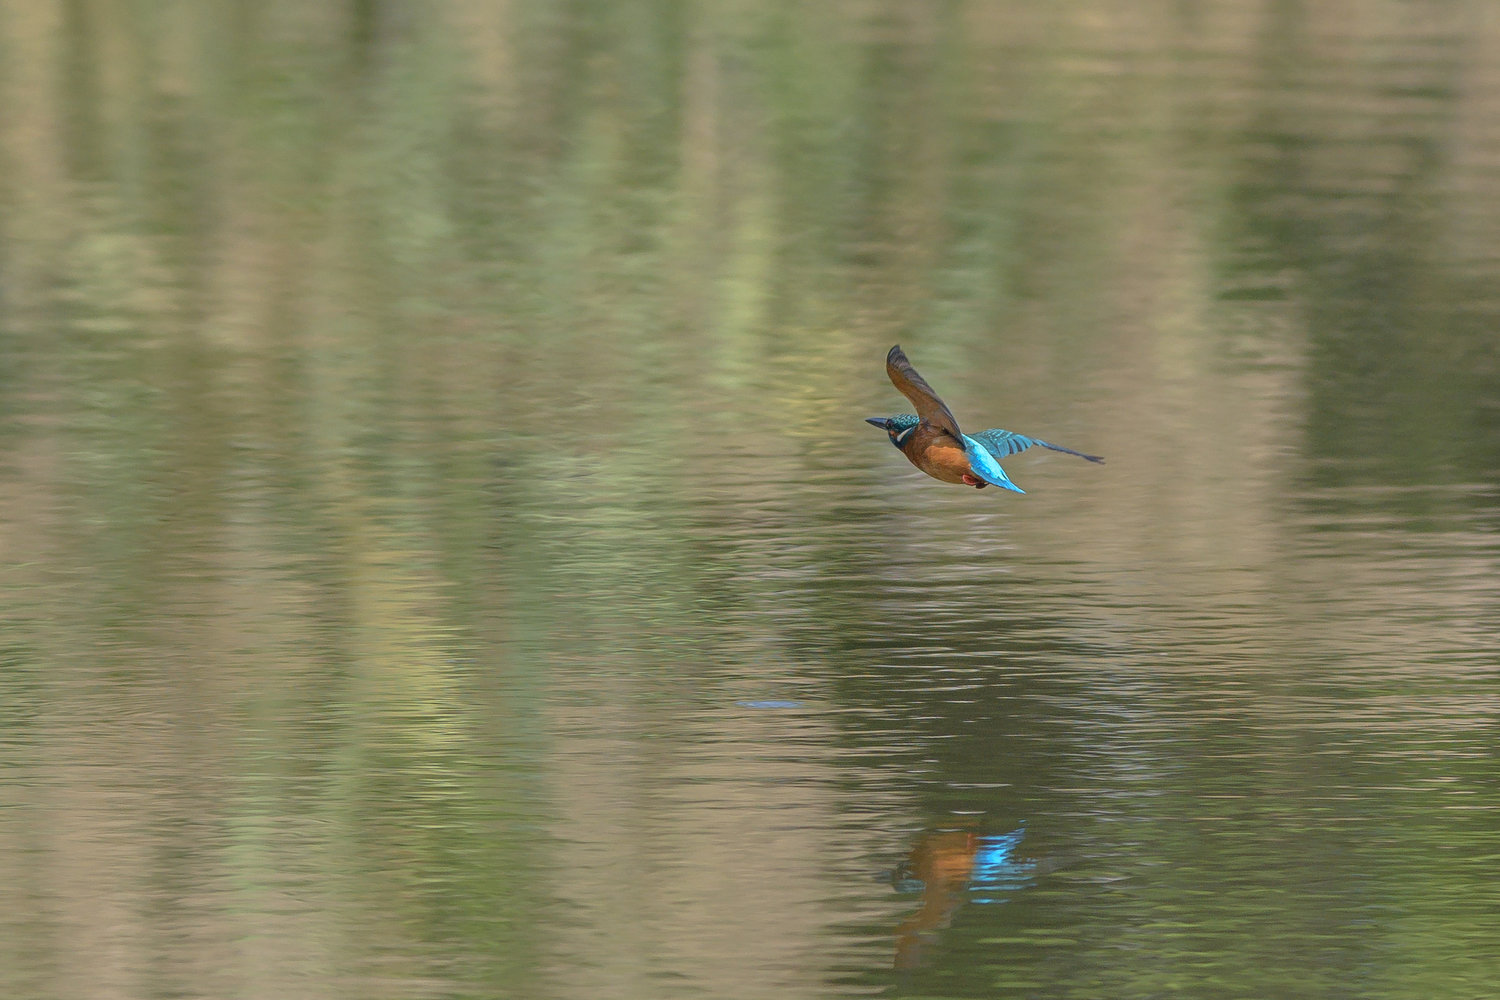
973 481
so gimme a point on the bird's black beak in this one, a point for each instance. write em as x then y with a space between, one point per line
877 421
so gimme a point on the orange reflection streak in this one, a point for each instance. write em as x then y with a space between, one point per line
943 861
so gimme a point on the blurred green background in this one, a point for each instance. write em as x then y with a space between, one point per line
444 557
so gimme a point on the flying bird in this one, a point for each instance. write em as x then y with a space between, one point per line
931 440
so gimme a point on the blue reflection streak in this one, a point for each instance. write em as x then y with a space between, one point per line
996 871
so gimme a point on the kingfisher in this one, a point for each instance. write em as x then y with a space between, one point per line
931 440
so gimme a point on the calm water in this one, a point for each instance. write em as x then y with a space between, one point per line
444 555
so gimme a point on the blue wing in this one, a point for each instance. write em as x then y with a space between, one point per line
985 467
1003 444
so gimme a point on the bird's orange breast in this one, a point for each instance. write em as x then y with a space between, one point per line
936 453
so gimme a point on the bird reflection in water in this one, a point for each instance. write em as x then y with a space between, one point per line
950 867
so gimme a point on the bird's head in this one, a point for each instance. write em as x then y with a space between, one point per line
898 428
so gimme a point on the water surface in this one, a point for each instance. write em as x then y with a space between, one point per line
445 557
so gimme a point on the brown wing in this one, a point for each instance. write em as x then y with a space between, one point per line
915 388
